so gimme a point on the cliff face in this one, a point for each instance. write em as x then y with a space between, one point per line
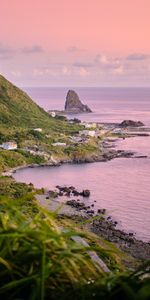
73 103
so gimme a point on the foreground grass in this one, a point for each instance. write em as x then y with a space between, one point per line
39 260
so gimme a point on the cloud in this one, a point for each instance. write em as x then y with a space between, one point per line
101 59
110 65
83 65
6 52
44 71
83 72
33 49
66 70
73 49
138 56
5 49
106 62
119 70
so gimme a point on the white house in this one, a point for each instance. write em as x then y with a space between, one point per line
38 129
53 114
118 130
91 133
9 146
59 144
103 132
89 125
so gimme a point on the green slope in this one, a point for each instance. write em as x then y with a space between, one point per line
17 109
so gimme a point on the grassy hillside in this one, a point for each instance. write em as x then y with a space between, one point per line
18 110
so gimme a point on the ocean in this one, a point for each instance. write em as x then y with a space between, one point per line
107 104
121 185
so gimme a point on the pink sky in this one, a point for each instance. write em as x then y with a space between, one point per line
82 42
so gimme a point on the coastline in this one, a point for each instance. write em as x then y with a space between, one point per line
102 158
104 228
108 154
99 225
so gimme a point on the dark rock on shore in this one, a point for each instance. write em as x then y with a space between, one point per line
131 123
126 242
73 103
104 226
101 211
85 193
77 205
68 191
111 154
90 212
75 120
52 194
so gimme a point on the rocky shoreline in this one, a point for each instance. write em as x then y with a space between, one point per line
97 222
125 241
107 155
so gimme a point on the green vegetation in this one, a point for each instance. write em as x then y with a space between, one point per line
13 189
82 151
13 159
39 259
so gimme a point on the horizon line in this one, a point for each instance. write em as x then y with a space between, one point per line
88 87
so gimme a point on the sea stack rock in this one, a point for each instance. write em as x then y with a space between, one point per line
73 103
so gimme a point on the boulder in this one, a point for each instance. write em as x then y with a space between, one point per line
75 204
131 123
85 193
73 103
52 194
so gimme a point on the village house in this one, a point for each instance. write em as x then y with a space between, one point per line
52 114
38 129
59 144
118 130
89 125
103 132
9 146
90 133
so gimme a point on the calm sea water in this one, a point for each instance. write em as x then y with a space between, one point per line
107 104
121 185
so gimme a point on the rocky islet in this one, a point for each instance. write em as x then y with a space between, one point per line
74 105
